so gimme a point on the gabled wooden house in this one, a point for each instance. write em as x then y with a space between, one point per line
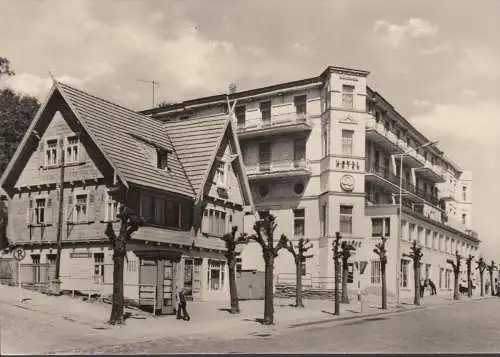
186 178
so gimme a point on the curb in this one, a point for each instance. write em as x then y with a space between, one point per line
395 311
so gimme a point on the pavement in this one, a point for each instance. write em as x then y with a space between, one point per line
83 323
472 328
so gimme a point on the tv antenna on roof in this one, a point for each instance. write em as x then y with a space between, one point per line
153 84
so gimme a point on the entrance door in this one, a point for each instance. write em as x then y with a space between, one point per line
168 296
188 278
148 280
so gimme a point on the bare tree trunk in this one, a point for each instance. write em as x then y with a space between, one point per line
268 289
491 284
482 285
456 295
233 289
337 287
298 285
118 267
416 273
469 283
345 295
384 285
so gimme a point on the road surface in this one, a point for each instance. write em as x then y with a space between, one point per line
459 328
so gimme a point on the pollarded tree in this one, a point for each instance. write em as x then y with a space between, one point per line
416 256
346 251
298 256
129 223
468 262
267 226
481 266
491 268
381 251
231 242
456 274
336 259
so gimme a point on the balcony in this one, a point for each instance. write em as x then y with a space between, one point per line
431 172
277 169
277 124
384 177
377 133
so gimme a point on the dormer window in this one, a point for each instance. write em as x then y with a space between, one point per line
162 159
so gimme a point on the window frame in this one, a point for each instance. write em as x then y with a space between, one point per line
33 212
220 266
376 272
346 95
57 151
346 219
110 206
347 142
99 267
300 105
162 159
77 146
299 218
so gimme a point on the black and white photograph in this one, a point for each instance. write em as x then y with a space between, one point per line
249 176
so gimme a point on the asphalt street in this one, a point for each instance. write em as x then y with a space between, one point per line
463 327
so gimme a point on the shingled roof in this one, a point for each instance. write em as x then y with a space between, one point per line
196 141
115 129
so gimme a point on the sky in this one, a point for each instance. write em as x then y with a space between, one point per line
436 62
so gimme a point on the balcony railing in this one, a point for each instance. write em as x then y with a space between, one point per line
385 173
274 121
263 167
400 146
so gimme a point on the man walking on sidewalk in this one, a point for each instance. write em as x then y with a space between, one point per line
181 305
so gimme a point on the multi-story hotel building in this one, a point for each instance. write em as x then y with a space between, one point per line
323 155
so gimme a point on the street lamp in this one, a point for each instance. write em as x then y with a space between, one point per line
400 216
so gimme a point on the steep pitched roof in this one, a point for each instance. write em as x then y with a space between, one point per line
196 141
116 128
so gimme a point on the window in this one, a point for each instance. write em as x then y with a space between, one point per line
299 152
434 240
350 273
214 222
441 243
346 219
37 272
147 208
427 238
72 149
447 280
173 214
99 267
263 214
161 159
376 272
81 208
40 210
323 220
420 233
377 227
298 222
464 193
51 259
404 229
324 140
347 136
158 211
240 113
347 96
404 273
221 173
111 208
51 153
464 218
265 110
412 232
300 102
441 276
216 271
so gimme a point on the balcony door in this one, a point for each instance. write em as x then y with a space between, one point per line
264 156
299 152
265 110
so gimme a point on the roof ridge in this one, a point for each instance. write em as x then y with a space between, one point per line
104 100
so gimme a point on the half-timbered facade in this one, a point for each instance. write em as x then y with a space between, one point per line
186 179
